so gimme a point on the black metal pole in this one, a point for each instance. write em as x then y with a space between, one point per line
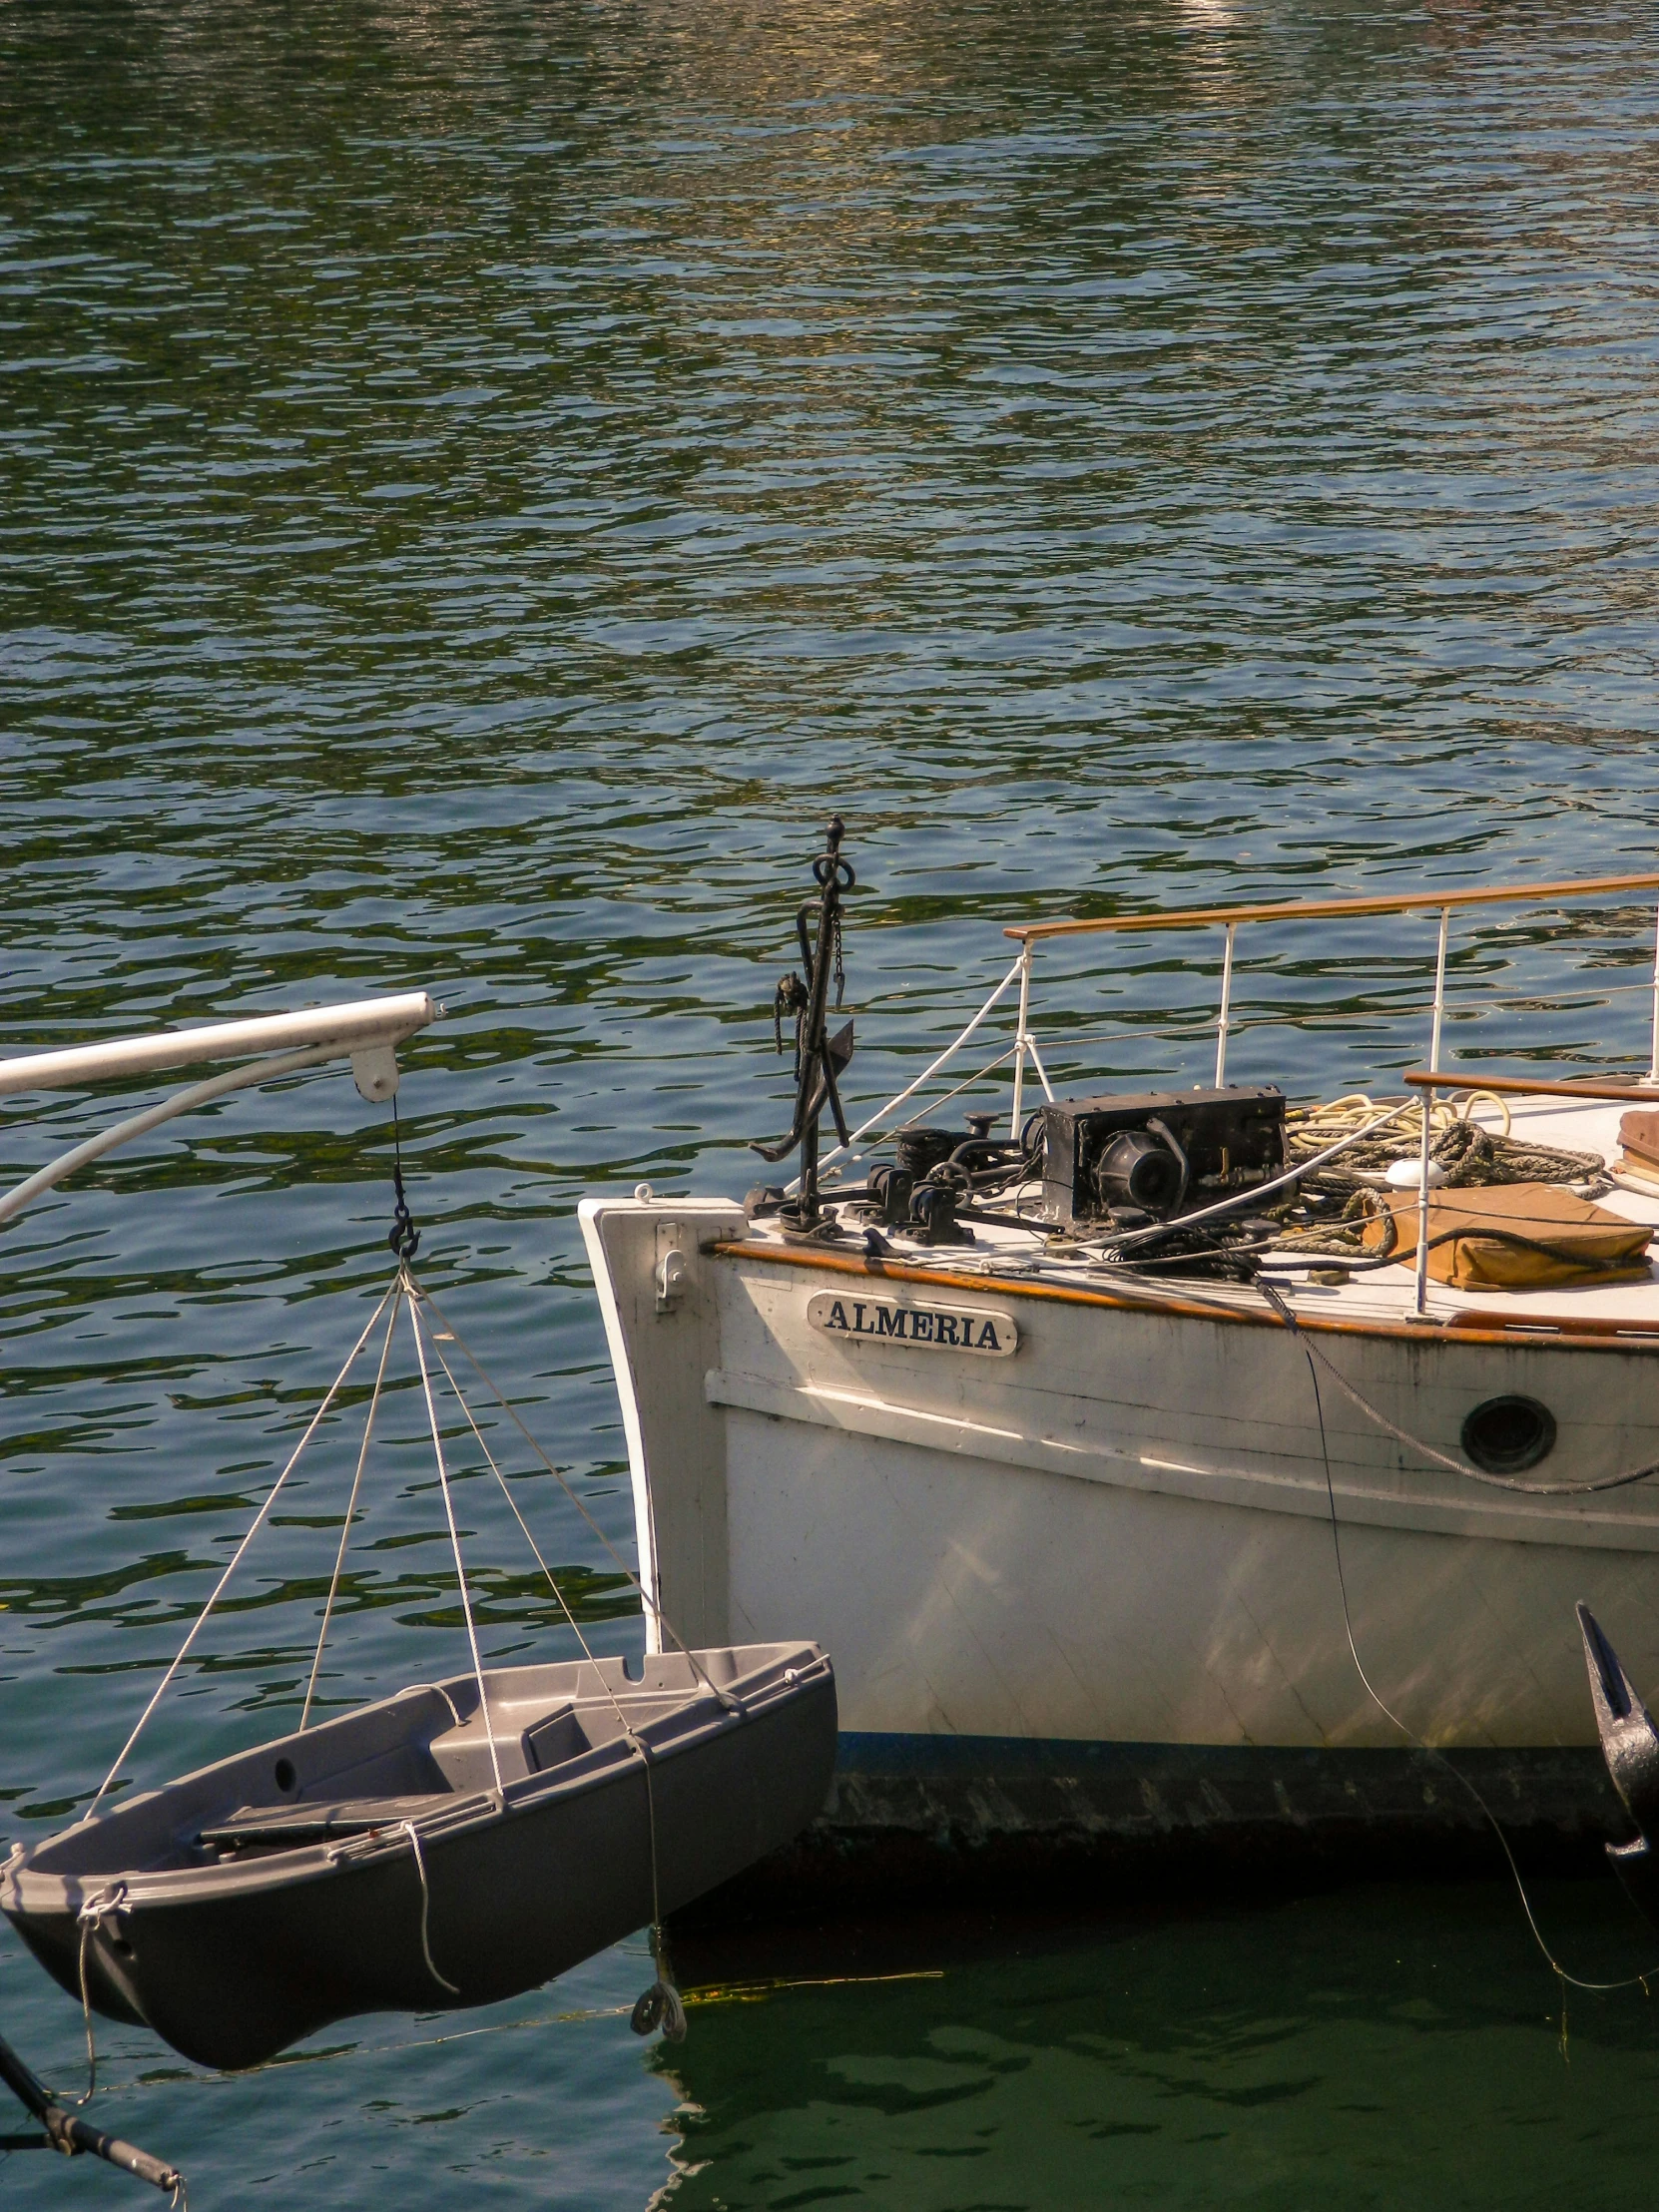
815 1070
815 1084
65 2132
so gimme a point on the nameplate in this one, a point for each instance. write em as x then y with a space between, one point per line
887 1321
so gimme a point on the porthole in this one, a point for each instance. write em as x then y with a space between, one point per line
1506 1435
284 1775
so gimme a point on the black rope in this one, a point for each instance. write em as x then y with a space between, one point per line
403 1237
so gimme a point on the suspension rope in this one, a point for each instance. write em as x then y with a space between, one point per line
255 1526
663 1622
660 2004
90 1919
454 1534
351 1504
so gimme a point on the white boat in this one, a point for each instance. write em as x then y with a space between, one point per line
1071 1525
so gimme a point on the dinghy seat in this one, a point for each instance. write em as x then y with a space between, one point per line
253 1828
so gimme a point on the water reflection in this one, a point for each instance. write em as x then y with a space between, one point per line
1408 2041
482 483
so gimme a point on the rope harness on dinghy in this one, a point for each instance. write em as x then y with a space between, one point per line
413 1833
660 2006
103 1904
351 1517
237 1555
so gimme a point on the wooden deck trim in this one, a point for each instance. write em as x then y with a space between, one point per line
1202 917
1572 1335
1527 1086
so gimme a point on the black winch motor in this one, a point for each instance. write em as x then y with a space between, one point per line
1160 1154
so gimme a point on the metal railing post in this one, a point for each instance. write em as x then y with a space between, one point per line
1226 1006
1020 1036
1423 1203
1440 990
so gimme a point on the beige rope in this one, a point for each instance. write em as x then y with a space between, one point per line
350 1508
255 1526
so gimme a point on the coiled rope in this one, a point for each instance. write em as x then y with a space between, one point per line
1468 1156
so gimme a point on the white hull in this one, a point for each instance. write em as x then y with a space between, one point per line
1112 1553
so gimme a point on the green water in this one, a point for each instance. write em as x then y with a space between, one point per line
479 483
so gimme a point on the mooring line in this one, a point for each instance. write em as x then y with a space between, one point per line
1431 1751
736 1992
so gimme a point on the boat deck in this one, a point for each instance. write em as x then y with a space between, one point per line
1379 1297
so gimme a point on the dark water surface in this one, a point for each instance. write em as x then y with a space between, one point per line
478 484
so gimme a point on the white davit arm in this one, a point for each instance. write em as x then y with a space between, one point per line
354 1029
368 1031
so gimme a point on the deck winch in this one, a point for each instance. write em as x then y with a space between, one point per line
1155 1154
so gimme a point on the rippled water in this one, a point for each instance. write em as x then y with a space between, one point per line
479 484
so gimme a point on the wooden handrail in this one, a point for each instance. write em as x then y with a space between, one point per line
1199 917
1528 1086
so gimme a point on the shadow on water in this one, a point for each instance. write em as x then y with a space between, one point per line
1372 2046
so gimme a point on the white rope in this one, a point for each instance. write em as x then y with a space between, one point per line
949 1053
660 2004
236 1558
512 1507
552 1579
91 1918
454 1532
350 1508
724 1696
409 1830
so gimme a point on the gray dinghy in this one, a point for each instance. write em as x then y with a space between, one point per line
369 1864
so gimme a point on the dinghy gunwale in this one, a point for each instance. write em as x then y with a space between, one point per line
32 1887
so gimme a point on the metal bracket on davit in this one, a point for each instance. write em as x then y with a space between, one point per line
1630 1746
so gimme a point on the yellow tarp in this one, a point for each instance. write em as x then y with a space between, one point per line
1639 1135
1580 1241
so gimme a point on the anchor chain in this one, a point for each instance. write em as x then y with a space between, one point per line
403 1237
790 997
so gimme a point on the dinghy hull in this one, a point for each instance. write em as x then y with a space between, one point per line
206 1923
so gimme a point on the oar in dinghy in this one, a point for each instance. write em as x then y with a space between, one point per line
458 1843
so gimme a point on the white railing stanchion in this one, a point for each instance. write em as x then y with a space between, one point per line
1423 1203
1020 1037
1653 1060
1225 1005
1440 990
